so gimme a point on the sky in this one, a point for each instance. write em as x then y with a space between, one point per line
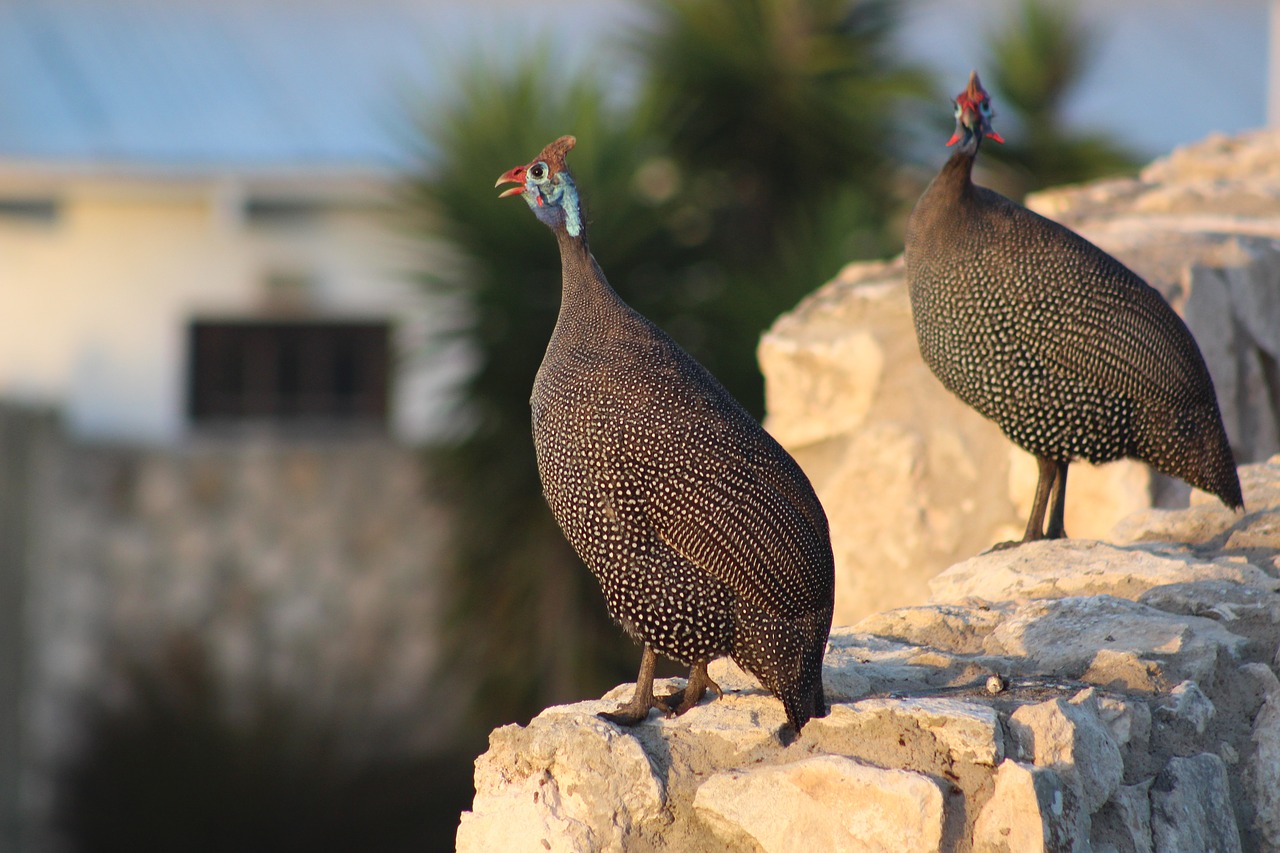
180 79
1165 72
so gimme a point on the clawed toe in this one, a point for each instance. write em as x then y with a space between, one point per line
691 695
626 715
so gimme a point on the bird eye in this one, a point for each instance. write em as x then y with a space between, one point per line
538 171
985 106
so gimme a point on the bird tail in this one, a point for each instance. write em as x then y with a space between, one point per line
792 668
1203 457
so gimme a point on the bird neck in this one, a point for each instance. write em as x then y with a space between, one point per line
584 283
956 177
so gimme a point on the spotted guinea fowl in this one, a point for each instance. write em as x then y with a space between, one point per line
1068 351
704 534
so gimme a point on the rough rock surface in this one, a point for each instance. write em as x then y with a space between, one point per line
913 480
1095 697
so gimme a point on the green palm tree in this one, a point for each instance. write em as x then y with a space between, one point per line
780 106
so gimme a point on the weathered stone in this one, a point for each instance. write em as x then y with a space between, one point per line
1070 738
1128 720
1064 636
1256 685
568 779
1222 601
1071 567
1191 807
1124 669
1203 523
954 627
831 802
1188 706
1031 810
1124 821
967 732
1264 767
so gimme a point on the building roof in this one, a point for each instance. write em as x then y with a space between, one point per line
195 86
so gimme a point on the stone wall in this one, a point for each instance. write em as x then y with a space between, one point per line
913 480
302 569
1062 696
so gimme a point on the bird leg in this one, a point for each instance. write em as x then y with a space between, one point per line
1044 485
642 700
682 700
1035 523
1056 528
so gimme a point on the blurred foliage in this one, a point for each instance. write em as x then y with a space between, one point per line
761 153
173 762
1036 60
782 105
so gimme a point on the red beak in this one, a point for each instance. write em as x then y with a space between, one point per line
512 176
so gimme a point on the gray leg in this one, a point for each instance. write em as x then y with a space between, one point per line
1035 522
682 700
1056 528
642 700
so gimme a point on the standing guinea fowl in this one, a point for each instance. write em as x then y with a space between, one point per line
704 534
1068 351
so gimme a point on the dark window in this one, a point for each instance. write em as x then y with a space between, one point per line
42 211
295 372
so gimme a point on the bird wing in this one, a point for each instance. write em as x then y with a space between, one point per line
722 493
1109 327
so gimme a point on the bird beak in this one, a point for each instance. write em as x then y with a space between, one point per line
512 176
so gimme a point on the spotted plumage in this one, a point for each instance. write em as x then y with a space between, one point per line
1068 351
705 536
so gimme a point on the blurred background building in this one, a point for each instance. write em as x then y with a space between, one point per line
219 548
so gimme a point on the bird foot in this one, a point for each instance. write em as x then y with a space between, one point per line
1004 546
682 700
634 712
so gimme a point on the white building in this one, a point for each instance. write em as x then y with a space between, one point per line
194 203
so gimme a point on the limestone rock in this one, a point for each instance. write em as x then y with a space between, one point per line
1222 601
1124 822
1191 807
831 802
1071 738
1186 704
1066 635
1264 768
1031 810
572 781
963 732
1073 567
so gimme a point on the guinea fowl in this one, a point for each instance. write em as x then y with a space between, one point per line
1068 351
704 534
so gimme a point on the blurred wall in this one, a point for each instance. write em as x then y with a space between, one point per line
303 569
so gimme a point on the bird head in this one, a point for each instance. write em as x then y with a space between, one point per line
547 187
973 115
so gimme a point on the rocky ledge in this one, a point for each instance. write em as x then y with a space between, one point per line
1062 696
